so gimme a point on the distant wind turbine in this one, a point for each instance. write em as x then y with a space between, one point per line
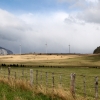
69 49
46 48
20 49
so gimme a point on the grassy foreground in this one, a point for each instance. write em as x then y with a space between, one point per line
72 63
11 89
8 91
64 80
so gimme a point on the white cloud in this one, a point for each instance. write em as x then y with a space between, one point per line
87 10
33 30
92 1
91 13
78 1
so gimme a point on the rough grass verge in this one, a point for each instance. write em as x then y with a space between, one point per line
12 89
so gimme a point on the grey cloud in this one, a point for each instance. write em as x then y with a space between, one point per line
51 30
91 13
79 4
91 16
97 28
3 37
88 10
73 20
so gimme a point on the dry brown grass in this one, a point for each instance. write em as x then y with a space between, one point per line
25 85
36 59
24 58
51 60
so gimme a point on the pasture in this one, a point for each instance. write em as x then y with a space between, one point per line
86 68
52 60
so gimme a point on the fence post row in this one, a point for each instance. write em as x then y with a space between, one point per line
73 84
96 88
31 77
9 72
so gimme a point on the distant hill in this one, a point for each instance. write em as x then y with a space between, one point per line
4 51
97 50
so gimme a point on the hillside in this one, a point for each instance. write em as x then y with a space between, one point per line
4 51
97 50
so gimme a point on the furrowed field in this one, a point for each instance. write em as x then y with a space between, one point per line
51 76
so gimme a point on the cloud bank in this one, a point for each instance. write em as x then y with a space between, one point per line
58 29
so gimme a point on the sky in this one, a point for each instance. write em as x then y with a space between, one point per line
57 23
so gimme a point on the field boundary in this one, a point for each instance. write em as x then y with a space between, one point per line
55 80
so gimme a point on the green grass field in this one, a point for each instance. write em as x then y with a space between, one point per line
78 64
10 93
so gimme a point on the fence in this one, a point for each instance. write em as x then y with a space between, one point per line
86 86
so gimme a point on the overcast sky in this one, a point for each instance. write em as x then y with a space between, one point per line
57 23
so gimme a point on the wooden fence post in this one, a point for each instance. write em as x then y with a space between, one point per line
15 75
31 77
53 81
1 68
73 84
22 72
84 86
96 88
9 72
41 78
46 81
60 80
36 79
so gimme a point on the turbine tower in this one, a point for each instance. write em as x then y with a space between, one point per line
20 49
46 48
69 49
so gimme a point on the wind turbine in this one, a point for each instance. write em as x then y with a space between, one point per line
46 48
20 49
69 48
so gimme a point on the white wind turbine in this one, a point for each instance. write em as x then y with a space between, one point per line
69 48
46 48
20 48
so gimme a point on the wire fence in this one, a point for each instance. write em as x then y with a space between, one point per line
86 86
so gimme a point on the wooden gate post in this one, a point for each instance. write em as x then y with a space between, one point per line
73 84
96 88
31 77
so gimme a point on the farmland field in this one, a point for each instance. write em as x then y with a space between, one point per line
61 65
52 60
